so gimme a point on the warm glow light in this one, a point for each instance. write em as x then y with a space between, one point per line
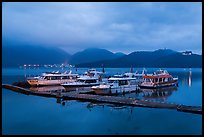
189 79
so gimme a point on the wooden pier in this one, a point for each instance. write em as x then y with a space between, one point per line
77 95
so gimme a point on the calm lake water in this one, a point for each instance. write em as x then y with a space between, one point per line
28 114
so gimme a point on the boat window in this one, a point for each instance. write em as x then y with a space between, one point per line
58 77
160 79
166 79
48 78
53 78
41 77
110 81
81 80
170 78
148 80
90 81
133 82
64 77
157 80
123 82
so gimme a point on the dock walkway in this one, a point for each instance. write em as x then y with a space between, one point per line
77 95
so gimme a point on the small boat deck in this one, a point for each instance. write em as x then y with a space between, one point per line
81 95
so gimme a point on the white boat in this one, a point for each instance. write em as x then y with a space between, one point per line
92 72
116 86
82 81
136 75
159 79
52 78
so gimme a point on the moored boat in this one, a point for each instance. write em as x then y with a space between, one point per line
52 78
116 86
159 79
83 81
138 76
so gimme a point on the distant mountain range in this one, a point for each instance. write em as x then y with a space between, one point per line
159 58
13 56
93 54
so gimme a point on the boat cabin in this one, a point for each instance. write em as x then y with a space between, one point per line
58 77
157 79
121 81
87 80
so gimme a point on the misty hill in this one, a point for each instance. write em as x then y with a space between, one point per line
159 58
13 56
119 54
93 54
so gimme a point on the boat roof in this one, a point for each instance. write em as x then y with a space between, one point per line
157 76
93 72
117 76
161 72
58 74
127 78
87 78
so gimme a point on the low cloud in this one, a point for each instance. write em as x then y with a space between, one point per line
124 27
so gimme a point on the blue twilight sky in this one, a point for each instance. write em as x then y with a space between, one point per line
118 26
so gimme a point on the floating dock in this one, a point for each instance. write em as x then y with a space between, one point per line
78 95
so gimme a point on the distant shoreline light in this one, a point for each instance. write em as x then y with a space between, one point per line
48 65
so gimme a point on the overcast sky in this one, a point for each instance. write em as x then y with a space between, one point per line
118 27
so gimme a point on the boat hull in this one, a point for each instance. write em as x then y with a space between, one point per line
78 85
48 82
115 90
173 83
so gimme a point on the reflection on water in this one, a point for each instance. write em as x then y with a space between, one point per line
48 88
113 108
77 88
187 79
160 94
58 88
78 117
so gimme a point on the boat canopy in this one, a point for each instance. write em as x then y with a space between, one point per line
157 76
127 78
